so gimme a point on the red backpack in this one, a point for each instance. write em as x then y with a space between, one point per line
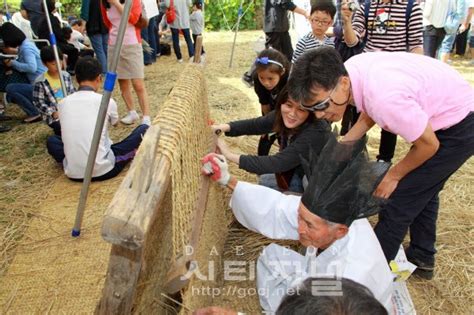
170 13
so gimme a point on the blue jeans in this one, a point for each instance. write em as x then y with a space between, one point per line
22 95
99 44
187 37
269 180
149 35
447 44
124 151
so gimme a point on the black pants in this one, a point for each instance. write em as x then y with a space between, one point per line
414 204
56 126
280 41
461 41
432 39
388 141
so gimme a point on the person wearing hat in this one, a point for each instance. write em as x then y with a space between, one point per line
329 220
421 99
31 11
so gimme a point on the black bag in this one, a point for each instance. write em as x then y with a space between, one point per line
165 49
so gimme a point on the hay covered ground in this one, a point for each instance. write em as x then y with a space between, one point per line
31 181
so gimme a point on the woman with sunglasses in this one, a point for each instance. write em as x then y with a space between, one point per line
299 132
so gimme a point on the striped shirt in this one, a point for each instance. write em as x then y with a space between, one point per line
386 27
309 41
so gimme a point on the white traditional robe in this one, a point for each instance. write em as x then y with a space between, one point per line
357 256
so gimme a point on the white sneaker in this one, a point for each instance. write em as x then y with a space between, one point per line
146 120
130 118
180 60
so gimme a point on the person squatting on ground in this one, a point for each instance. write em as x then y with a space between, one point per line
196 20
78 115
310 297
390 26
47 90
270 76
44 33
421 99
321 18
79 38
298 131
328 220
17 75
130 68
181 24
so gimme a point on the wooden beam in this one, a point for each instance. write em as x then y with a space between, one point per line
134 205
120 285
197 49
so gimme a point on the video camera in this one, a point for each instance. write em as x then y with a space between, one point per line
353 5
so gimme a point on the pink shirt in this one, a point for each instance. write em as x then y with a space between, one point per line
403 92
112 21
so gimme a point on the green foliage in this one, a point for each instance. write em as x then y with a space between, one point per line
70 7
223 14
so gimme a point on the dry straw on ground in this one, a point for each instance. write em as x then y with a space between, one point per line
32 182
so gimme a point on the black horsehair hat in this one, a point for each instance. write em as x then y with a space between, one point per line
341 182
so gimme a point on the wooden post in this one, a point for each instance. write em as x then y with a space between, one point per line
198 49
129 214
119 289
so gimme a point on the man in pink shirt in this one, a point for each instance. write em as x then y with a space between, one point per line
419 98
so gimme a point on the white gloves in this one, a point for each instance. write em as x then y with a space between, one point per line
215 166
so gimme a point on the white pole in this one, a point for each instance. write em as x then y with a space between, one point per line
236 31
109 83
52 40
7 12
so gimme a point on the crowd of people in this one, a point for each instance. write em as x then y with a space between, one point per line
366 63
31 78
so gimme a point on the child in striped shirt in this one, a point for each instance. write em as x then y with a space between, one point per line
321 19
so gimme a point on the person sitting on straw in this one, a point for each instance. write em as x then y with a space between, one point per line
328 219
47 90
78 115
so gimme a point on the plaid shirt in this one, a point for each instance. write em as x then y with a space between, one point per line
43 96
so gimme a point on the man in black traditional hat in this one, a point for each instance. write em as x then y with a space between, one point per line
328 219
